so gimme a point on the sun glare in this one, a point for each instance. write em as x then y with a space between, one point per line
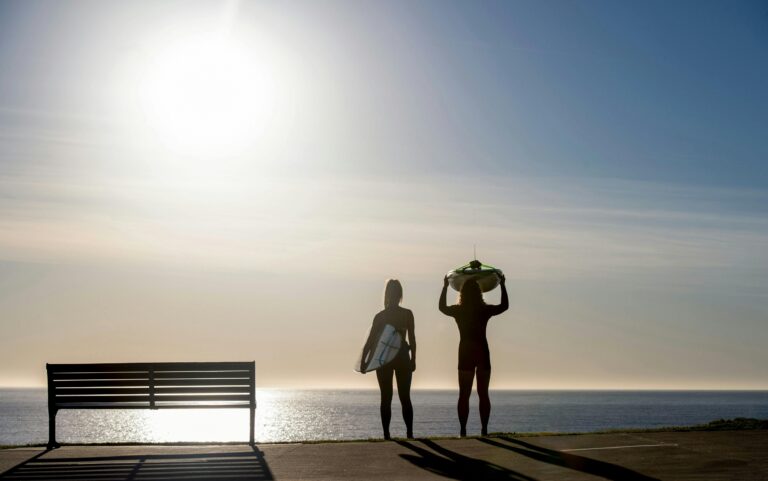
206 95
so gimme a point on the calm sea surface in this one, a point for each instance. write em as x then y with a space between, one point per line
296 415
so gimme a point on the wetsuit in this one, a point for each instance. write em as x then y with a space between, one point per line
472 321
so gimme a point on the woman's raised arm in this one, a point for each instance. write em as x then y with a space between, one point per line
496 310
443 305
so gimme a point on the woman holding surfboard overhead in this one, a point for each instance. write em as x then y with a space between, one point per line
387 352
472 315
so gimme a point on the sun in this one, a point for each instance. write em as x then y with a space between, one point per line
205 95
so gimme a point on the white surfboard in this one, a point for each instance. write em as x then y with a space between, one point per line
385 348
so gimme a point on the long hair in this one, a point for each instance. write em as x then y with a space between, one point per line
470 294
393 293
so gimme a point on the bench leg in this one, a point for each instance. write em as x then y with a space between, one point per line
252 423
52 444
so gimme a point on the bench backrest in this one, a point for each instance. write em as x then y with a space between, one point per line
158 385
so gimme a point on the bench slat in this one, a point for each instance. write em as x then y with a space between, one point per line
145 382
202 397
102 390
99 376
101 383
202 382
160 406
158 366
158 375
202 375
143 398
206 390
158 390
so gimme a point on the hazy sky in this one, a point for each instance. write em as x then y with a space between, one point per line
235 181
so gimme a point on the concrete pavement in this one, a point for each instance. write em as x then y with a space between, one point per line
723 455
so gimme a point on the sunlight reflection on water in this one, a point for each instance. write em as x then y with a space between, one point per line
281 415
169 425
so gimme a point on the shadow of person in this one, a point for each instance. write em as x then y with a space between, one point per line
240 466
450 464
568 460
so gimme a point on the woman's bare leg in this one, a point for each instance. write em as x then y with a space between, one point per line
466 378
384 376
483 380
403 377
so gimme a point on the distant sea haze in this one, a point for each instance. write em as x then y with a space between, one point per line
302 415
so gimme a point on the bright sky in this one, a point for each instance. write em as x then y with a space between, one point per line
222 181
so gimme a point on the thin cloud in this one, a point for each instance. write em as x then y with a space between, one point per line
299 224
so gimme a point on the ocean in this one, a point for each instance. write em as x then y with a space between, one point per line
302 415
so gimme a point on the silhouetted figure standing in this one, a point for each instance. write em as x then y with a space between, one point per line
403 365
472 315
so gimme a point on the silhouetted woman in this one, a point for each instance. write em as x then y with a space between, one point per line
403 365
472 315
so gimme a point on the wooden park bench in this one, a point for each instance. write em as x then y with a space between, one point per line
148 385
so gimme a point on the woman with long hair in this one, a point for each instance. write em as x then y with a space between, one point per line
404 364
472 315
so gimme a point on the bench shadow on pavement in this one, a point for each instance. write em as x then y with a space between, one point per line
240 466
568 460
450 464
